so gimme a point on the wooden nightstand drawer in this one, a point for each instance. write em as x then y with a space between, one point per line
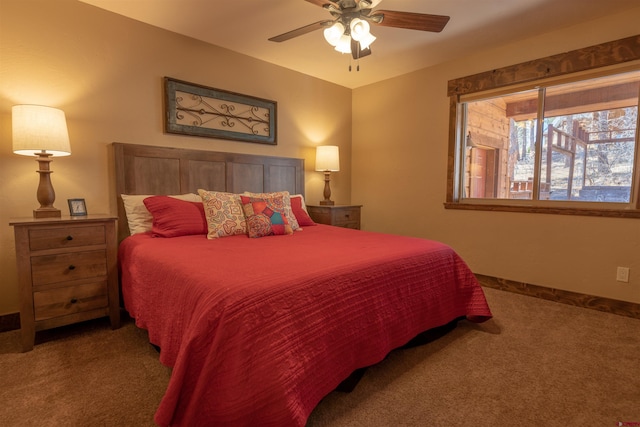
65 237
347 216
68 266
70 300
67 271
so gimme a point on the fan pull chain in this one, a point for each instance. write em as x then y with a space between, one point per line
357 64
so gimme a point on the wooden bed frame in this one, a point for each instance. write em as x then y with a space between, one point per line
268 302
146 169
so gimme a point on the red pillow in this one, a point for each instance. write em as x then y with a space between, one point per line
304 220
173 217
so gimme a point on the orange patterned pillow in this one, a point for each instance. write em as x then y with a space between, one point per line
286 196
224 214
265 216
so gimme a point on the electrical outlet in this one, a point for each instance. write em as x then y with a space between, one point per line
623 274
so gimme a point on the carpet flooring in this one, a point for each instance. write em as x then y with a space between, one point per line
536 363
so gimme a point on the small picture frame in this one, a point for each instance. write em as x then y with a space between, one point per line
77 207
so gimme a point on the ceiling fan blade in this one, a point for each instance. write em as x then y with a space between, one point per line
409 20
301 31
358 53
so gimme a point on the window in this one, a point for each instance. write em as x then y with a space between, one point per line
559 143
582 140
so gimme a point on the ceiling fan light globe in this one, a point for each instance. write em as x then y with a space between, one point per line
344 45
333 33
366 41
359 28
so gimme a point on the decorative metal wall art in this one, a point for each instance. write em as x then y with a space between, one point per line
192 109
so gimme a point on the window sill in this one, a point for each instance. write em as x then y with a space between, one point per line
608 213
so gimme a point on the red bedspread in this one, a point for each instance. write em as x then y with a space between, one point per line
258 331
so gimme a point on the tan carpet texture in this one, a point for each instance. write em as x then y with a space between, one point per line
537 363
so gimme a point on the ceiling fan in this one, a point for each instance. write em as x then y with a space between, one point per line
349 32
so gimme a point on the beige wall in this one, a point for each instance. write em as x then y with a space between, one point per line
399 175
105 72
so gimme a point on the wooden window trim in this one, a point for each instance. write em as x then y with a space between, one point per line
586 59
610 213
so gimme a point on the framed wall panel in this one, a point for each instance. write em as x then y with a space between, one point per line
192 109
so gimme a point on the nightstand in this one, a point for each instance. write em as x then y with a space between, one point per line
67 272
347 216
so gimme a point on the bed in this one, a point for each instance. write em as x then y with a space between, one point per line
258 330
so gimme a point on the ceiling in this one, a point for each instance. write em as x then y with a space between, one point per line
245 26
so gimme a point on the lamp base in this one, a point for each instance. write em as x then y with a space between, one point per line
47 213
45 195
327 202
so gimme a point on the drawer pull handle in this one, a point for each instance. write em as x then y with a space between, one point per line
346 216
72 267
73 300
69 237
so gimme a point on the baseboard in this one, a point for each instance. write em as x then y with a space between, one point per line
622 308
9 322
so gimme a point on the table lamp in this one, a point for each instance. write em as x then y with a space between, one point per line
327 161
41 131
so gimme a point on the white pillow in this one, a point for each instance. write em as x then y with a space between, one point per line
138 217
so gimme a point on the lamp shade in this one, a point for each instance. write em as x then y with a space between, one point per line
37 128
328 158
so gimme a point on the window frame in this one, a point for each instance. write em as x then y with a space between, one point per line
587 63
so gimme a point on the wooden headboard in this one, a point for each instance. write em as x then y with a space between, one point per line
145 169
